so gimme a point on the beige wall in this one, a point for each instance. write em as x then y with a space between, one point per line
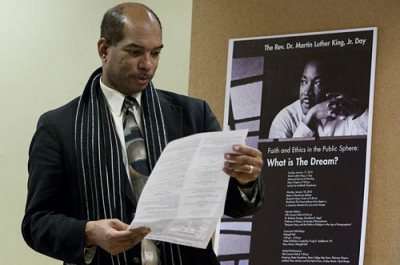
48 50
215 22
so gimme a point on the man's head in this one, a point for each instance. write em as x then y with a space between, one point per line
313 84
129 47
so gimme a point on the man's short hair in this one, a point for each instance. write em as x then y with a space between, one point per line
112 25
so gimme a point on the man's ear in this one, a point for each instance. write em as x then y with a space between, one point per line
102 49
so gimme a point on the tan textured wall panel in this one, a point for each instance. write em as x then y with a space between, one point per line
215 22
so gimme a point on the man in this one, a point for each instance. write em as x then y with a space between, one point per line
80 198
321 110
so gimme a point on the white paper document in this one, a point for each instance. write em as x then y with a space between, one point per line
184 197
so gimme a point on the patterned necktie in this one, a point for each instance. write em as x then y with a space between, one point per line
135 148
138 169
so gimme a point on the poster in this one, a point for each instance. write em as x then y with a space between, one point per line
307 100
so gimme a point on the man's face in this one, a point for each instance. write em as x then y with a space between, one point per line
311 86
130 64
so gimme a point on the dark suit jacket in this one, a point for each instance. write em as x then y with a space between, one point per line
53 224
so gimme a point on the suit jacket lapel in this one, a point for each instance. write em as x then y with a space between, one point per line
173 117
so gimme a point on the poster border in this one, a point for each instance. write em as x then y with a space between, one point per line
374 31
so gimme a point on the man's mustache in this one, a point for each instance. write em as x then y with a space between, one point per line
143 75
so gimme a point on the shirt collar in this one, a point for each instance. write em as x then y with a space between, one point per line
115 98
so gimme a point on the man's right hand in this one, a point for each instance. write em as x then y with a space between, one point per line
112 235
344 106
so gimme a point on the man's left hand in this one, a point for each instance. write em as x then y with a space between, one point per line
244 164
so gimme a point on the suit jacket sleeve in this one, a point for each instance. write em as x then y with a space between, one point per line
48 225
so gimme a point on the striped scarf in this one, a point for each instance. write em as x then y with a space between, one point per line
101 170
